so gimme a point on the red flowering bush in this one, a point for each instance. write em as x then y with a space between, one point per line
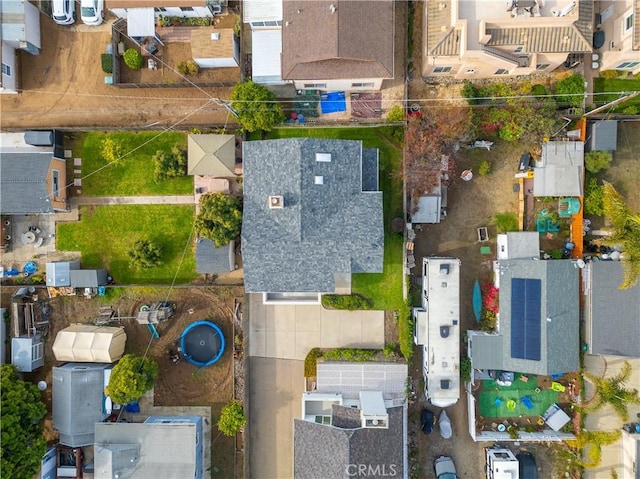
490 297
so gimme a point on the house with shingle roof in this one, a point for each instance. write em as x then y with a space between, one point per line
355 418
338 45
474 40
312 216
620 22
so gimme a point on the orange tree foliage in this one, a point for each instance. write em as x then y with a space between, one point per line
432 141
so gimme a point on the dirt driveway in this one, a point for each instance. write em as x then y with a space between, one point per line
64 87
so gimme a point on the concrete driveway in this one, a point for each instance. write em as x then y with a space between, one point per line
289 332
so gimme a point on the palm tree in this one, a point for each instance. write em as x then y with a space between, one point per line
612 391
626 232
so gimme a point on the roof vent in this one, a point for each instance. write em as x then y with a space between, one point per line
215 36
444 331
276 202
323 157
445 383
444 269
333 8
319 180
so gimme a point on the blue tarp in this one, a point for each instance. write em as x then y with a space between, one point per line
333 102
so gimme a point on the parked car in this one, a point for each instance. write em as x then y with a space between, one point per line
92 11
527 465
63 12
445 468
427 419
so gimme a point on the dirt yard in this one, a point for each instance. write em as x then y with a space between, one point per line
64 87
177 384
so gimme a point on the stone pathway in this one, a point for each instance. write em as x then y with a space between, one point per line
74 202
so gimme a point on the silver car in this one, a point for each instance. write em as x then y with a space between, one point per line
92 11
445 468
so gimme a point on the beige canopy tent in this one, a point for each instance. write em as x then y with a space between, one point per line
90 344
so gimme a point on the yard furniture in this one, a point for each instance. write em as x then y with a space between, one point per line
555 386
511 405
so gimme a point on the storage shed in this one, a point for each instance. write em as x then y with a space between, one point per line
90 344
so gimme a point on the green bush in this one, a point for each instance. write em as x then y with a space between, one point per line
593 198
570 91
405 331
145 254
395 114
484 168
488 321
169 164
106 59
631 110
350 354
465 368
133 59
189 68
539 90
609 74
311 362
232 418
511 131
471 93
596 161
350 302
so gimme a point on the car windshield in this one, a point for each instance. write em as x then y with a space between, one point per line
88 12
59 17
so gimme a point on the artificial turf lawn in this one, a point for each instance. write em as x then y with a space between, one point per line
133 174
491 391
383 289
105 234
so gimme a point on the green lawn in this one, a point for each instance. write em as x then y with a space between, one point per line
133 175
384 289
106 233
493 399
615 86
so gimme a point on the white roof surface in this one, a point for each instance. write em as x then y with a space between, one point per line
141 22
560 172
441 356
265 57
89 343
261 10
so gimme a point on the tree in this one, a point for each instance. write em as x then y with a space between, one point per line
570 91
232 418
131 378
220 218
133 59
595 161
23 411
626 232
145 254
112 150
612 391
256 107
170 164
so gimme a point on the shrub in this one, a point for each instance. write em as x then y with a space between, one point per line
511 131
395 114
470 92
182 68
133 59
485 168
465 369
112 151
506 222
220 218
192 67
595 161
609 74
490 297
488 321
593 198
145 254
405 330
311 362
539 90
131 378
169 164
106 59
570 91
232 418
631 110
350 302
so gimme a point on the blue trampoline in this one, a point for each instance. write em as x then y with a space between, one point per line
202 343
333 102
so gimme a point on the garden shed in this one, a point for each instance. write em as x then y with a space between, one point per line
90 344
219 48
602 135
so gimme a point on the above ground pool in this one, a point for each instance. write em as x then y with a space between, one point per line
202 343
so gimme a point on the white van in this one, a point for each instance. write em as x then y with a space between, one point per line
64 12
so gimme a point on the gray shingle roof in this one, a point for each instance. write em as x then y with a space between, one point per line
212 260
23 188
355 41
559 314
77 401
326 451
323 230
88 278
487 351
602 135
614 313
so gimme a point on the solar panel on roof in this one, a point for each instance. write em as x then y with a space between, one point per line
525 318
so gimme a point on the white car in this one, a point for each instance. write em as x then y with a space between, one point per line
444 468
92 11
64 12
